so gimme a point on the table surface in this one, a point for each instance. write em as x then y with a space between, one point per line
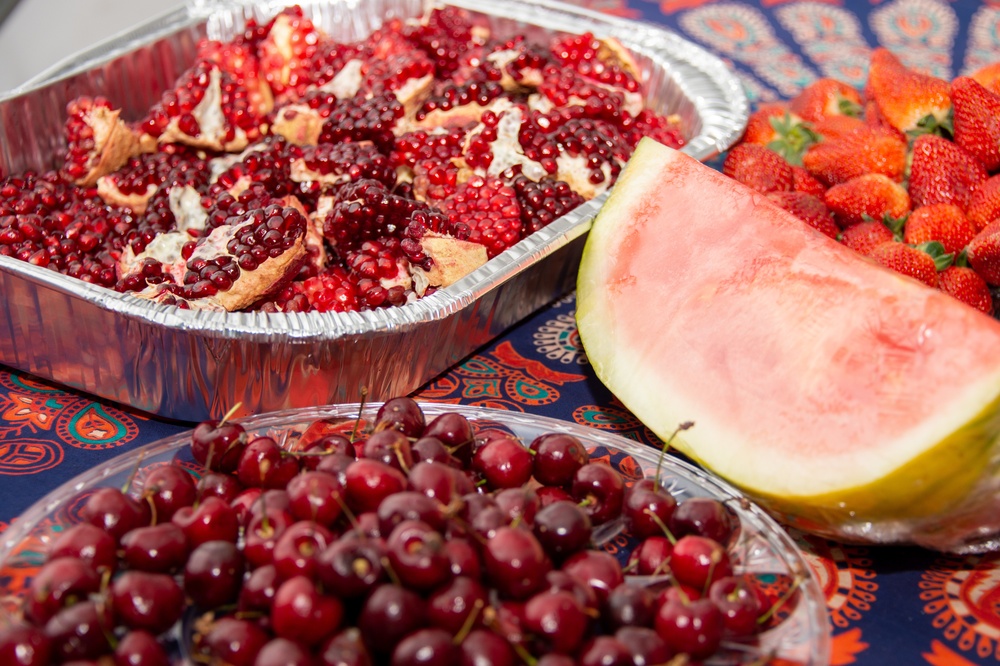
887 605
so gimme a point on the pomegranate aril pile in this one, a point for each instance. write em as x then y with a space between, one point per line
475 141
400 540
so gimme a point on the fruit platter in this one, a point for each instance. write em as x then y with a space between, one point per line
404 533
181 206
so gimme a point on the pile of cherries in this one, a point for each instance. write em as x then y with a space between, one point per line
405 542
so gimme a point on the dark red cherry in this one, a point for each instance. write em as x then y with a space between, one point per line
352 567
432 449
604 651
426 647
264 464
562 528
388 615
482 647
390 447
409 505
218 446
652 556
451 606
316 496
515 563
115 512
596 568
156 548
417 555
140 648
87 543
403 414
739 603
24 645
503 463
213 574
168 488
440 481
558 618
345 649
301 613
698 561
259 589
283 652
630 606
213 519
645 645
61 582
648 509
693 628
232 641
297 550
558 456
455 431
367 482
150 601
217 484
703 516
600 490
80 631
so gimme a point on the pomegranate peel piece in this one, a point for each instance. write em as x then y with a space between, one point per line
299 124
452 260
108 190
99 141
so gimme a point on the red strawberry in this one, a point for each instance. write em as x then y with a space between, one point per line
826 97
910 100
759 128
984 206
945 223
759 168
834 127
803 181
967 286
876 120
784 133
988 76
977 120
907 260
983 253
856 153
865 237
871 196
807 208
943 172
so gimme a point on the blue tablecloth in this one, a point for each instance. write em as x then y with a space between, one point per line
886 605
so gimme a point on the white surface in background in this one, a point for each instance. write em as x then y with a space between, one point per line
40 33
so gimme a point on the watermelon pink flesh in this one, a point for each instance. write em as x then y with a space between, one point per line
807 369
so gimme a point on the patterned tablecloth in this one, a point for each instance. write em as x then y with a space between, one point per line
886 605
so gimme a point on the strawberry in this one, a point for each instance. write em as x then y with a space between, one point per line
910 100
988 76
854 154
869 196
865 237
803 181
967 286
759 128
977 120
807 208
833 127
826 97
907 260
943 172
984 206
983 253
784 133
945 223
758 167
876 120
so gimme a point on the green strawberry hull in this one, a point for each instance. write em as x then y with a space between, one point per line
848 400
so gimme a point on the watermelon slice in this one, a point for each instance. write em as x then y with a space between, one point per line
850 401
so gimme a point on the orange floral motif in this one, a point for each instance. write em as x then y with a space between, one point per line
846 646
962 595
28 412
942 655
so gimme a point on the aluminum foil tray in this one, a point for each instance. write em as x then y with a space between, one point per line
193 365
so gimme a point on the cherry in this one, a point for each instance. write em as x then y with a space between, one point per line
217 484
558 456
409 505
630 606
389 614
417 556
432 449
645 645
703 516
212 520
213 574
482 647
155 548
150 601
648 509
232 641
557 617
554 659
262 533
652 556
88 543
390 447
60 582
463 557
596 568
519 504
604 651
551 494
80 631
283 652
244 502
562 528
739 603
24 645
431 646
455 432
301 613
352 567
259 589
558 580
218 445
402 414
168 488
600 489
140 648
693 628
316 453
263 464
699 561
115 512
440 481
515 562
367 482
296 552
315 496
345 649
451 605
503 463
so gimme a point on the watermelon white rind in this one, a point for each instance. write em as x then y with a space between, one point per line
850 401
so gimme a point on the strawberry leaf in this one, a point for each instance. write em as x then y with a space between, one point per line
896 225
794 137
962 258
849 107
942 259
930 124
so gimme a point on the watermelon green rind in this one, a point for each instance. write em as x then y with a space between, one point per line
847 399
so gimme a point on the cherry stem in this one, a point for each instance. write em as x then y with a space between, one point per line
361 409
662 525
663 451
766 615
134 473
470 622
232 410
